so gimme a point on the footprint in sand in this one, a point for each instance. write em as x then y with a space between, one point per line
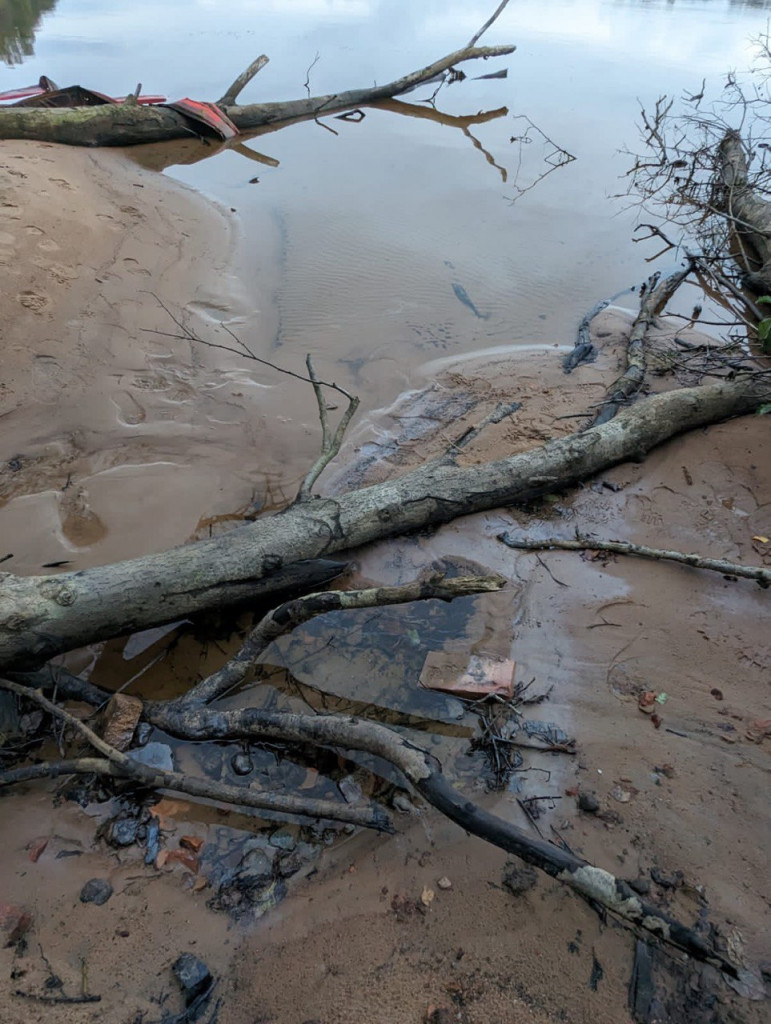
133 267
80 524
59 272
33 300
49 245
130 412
33 229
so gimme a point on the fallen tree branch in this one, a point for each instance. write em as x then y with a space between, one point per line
750 572
288 616
41 616
120 125
653 299
120 765
424 772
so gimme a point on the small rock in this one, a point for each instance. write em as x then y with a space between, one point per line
153 840
15 922
588 802
444 883
518 878
193 976
255 869
29 723
242 763
350 789
97 890
119 720
155 755
403 804
142 734
673 881
283 839
640 885
122 831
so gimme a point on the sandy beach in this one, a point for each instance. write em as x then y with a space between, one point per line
117 440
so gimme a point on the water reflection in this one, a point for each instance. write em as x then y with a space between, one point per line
18 21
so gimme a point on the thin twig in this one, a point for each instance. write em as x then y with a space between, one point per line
243 350
499 10
330 446
761 576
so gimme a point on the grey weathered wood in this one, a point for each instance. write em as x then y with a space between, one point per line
126 125
41 616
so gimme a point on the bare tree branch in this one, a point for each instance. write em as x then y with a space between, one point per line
749 572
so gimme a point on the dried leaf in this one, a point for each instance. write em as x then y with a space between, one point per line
193 843
762 540
185 857
646 702
427 897
166 808
36 847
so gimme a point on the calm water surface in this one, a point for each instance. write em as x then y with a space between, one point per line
361 245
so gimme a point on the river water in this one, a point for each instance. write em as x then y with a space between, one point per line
361 244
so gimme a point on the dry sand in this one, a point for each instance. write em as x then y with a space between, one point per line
75 401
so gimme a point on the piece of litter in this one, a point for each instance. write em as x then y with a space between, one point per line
472 676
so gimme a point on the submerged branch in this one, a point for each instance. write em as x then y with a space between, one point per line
120 765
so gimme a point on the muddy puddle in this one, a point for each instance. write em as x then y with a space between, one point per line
434 262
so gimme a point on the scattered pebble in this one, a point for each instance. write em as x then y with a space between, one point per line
97 890
444 883
588 802
193 976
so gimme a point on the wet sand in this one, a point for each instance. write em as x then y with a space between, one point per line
597 633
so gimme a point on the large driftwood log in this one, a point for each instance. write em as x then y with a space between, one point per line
132 124
41 616
749 214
